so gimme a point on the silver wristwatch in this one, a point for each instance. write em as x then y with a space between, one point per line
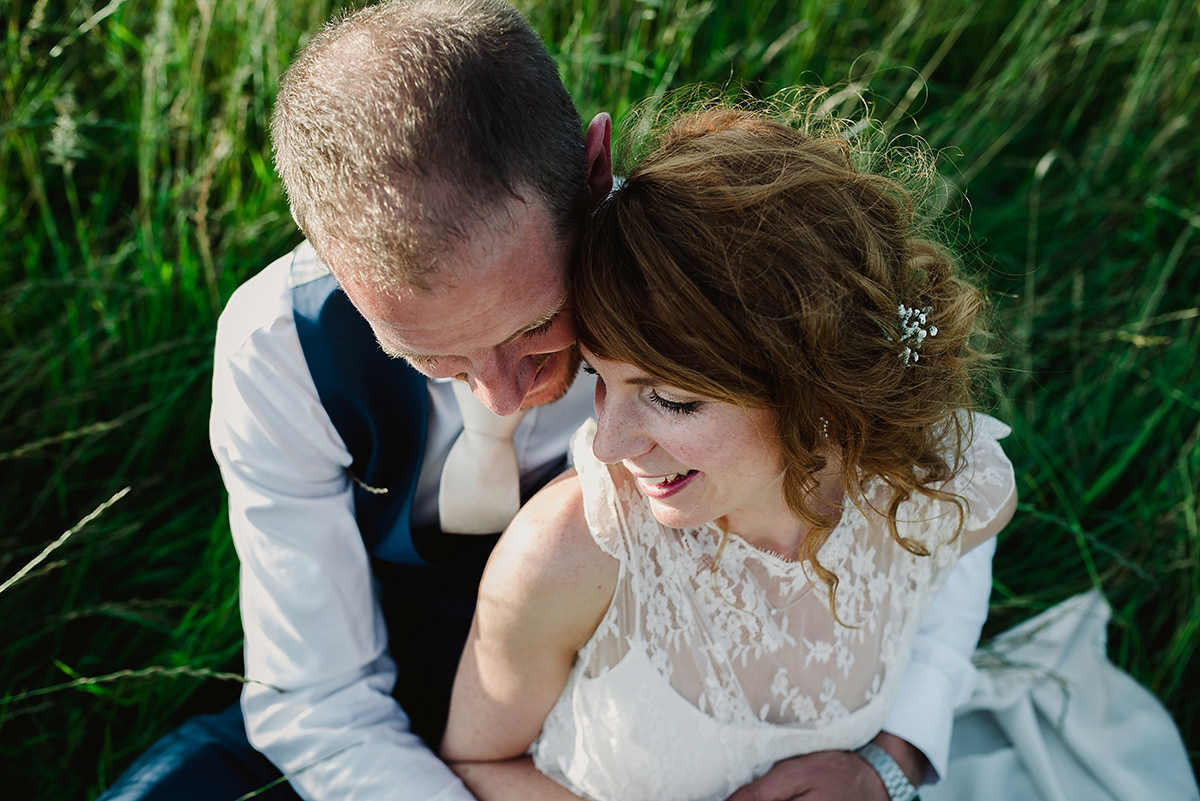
898 787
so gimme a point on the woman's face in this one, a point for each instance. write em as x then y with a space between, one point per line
696 459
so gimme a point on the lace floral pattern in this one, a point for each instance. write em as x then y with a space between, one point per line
711 664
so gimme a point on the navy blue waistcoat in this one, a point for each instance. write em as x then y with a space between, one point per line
427 580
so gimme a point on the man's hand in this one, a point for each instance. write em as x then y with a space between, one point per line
833 775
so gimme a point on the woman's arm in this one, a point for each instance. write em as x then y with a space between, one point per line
511 780
546 588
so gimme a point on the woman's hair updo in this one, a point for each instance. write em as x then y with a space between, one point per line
748 260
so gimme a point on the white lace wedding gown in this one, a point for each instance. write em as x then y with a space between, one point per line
712 664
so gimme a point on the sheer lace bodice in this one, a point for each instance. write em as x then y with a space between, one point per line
713 663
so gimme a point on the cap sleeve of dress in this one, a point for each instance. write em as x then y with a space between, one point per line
601 506
987 480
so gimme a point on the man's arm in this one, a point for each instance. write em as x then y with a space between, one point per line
312 624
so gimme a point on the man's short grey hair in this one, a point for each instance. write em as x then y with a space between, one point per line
403 127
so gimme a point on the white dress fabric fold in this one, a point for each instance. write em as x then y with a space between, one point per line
1052 719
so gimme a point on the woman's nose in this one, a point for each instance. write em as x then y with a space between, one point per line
618 435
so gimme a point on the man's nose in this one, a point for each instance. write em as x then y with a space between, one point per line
501 384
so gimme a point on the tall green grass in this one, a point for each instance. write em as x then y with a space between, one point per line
137 193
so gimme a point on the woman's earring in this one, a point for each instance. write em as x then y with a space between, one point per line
824 427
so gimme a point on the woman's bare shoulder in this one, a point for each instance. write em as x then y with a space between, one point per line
548 568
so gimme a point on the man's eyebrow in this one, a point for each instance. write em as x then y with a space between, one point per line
545 319
419 358
401 353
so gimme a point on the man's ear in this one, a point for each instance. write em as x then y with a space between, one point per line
598 147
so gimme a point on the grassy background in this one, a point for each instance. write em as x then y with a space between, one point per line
137 192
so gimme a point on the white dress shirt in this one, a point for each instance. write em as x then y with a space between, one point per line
312 623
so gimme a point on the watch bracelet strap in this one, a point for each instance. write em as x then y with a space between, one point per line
898 787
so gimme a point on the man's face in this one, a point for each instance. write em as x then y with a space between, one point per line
500 318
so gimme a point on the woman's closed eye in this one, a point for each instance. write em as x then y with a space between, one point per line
674 407
652 395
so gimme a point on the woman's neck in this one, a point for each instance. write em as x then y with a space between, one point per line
777 528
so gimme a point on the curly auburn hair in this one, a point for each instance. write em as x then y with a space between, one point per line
745 260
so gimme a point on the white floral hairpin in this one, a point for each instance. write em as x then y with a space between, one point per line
914 328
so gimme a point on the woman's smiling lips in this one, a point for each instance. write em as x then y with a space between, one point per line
664 486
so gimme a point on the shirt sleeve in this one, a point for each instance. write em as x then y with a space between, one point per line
318 699
940 675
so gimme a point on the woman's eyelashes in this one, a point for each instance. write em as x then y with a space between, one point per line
674 407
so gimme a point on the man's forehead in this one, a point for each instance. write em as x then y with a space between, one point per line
507 279
415 344
458 320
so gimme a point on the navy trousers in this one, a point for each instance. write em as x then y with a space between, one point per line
208 758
